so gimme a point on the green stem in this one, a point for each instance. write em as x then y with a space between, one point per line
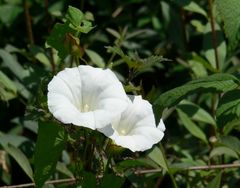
169 170
81 4
111 59
77 60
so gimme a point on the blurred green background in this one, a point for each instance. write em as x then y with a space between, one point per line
176 41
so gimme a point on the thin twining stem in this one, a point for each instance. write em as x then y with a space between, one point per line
61 181
209 167
73 180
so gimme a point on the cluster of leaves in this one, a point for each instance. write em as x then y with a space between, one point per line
180 55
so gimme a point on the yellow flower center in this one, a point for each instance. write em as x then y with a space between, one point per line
85 108
123 132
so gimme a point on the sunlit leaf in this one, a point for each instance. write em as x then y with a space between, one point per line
157 156
194 7
216 181
209 46
221 150
214 83
8 89
232 142
191 126
113 33
228 110
196 113
14 140
61 167
74 16
21 159
95 58
11 63
198 69
229 12
8 13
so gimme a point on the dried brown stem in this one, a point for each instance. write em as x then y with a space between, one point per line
61 181
214 35
183 28
209 167
73 180
28 21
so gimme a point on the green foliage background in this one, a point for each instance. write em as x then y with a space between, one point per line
181 55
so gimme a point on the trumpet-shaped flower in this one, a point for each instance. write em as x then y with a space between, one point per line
86 96
135 128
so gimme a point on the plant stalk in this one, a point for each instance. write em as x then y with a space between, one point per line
214 35
169 170
28 22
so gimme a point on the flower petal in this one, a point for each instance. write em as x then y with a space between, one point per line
135 129
139 142
86 96
161 126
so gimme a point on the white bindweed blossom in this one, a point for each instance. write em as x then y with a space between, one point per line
86 96
135 128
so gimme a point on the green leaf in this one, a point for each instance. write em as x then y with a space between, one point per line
185 164
144 63
8 89
110 180
235 124
216 182
74 16
158 157
191 126
42 58
61 167
194 7
85 27
118 51
209 48
133 163
77 20
14 140
221 150
132 88
198 69
198 59
50 143
231 142
229 12
114 33
228 110
134 61
20 158
57 39
214 83
95 58
198 25
8 13
89 180
156 23
196 113
11 63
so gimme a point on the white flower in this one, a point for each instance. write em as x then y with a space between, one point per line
86 96
135 128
